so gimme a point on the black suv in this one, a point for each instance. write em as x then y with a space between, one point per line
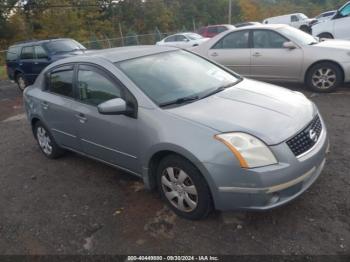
26 60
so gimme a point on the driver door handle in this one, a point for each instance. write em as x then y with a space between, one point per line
214 54
257 54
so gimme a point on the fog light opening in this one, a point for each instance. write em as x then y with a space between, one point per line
275 197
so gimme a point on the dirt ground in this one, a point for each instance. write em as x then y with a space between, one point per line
75 205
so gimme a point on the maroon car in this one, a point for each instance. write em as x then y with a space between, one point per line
213 30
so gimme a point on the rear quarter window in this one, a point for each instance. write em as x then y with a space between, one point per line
12 53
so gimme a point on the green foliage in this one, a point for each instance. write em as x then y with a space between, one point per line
85 20
3 73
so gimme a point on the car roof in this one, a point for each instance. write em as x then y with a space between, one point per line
31 42
119 54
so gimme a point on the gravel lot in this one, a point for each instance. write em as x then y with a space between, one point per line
78 206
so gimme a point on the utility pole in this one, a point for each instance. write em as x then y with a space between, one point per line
229 11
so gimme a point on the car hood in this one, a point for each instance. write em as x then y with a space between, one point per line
337 44
268 112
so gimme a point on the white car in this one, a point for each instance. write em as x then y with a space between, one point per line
281 53
325 16
338 27
297 20
183 40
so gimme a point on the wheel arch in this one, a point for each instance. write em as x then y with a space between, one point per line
34 119
324 61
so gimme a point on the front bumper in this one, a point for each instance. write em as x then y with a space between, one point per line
272 186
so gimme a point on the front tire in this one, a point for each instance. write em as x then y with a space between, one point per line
183 188
21 81
46 142
324 77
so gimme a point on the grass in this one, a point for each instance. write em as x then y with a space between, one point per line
3 73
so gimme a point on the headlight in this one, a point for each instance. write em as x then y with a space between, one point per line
250 151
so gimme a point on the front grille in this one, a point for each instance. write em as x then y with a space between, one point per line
307 138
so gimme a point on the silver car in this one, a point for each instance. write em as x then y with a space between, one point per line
282 53
202 135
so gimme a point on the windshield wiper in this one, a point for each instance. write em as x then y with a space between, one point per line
180 101
218 90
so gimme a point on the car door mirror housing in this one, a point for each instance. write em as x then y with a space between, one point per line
116 106
289 45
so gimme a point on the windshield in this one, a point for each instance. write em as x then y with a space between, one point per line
176 76
194 36
302 16
63 46
299 36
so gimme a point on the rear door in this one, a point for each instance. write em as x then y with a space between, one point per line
270 60
57 105
111 138
342 23
41 59
170 41
26 62
233 51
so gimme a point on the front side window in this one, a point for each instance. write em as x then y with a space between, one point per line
212 30
234 40
222 29
40 52
175 75
345 11
61 81
27 53
268 39
94 87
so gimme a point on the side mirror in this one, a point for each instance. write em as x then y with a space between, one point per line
116 106
289 45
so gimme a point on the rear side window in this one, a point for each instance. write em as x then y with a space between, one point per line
61 81
95 87
27 52
234 40
12 53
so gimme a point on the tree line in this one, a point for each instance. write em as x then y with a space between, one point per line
89 20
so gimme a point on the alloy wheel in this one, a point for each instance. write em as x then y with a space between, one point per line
179 189
324 78
44 140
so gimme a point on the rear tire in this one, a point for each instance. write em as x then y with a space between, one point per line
326 35
183 188
21 81
324 77
46 141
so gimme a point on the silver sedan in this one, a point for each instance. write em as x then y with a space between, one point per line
204 136
281 53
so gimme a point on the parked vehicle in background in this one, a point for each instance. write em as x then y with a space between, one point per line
203 136
297 20
324 17
26 60
212 30
281 53
246 24
337 27
183 40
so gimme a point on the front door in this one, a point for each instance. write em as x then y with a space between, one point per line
111 138
342 23
233 51
270 60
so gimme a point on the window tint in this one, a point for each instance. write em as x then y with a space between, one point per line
40 52
212 30
180 38
27 53
170 39
345 11
268 39
61 81
94 88
12 54
294 18
234 40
